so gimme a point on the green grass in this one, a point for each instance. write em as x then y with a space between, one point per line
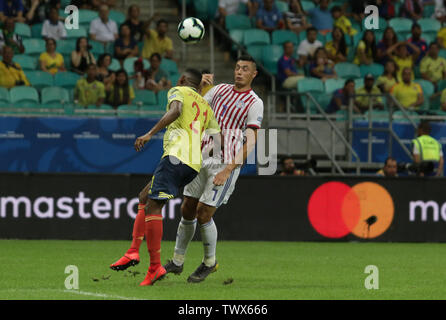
260 270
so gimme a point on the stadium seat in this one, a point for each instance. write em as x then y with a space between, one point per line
382 24
65 47
255 37
281 36
36 30
347 70
54 95
34 46
282 6
66 80
428 10
76 33
117 16
429 25
161 98
40 79
4 97
86 16
25 61
144 97
400 24
428 90
429 37
97 48
22 30
24 94
270 56
310 85
256 51
333 84
376 69
237 21
237 35
128 111
129 65
169 66
442 53
359 83
307 5
174 79
115 65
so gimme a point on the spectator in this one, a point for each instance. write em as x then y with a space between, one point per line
120 92
289 168
336 48
136 26
254 6
9 38
441 37
51 61
322 67
364 102
388 40
103 29
440 11
418 41
366 51
287 73
442 100
157 41
426 148
81 57
53 27
295 19
387 9
228 7
11 73
390 169
82 4
308 46
412 9
341 21
104 74
401 56
12 9
343 97
433 67
321 17
88 90
157 79
409 94
357 8
389 77
37 11
125 46
269 17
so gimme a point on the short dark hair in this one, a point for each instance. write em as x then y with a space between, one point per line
425 127
246 57
286 158
102 58
348 81
161 21
311 29
193 76
434 43
157 55
389 159
415 25
286 42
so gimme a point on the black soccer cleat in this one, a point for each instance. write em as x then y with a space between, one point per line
202 272
171 267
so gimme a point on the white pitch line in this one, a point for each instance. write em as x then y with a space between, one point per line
78 292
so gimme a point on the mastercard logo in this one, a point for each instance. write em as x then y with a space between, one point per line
336 210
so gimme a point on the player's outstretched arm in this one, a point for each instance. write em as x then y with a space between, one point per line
240 157
174 112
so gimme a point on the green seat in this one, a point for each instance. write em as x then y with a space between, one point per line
128 111
36 30
174 78
205 9
341 115
115 65
382 24
237 21
130 62
359 83
169 66
54 95
117 16
40 79
161 97
237 35
24 94
347 70
144 97
255 37
333 84
310 85
400 24
256 51
307 5
429 37
270 56
34 46
376 69
86 15
428 90
65 47
442 53
282 36
428 10
25 61
429 24
22 30
76 33
282 6
96 47
66 79
4 97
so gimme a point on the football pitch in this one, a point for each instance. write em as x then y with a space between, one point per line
35 269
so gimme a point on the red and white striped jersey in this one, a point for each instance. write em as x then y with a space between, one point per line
235 111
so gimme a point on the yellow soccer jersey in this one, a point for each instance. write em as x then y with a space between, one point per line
183 136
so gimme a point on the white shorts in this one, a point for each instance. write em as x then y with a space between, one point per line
203 188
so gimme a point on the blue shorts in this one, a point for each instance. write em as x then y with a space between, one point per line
169 178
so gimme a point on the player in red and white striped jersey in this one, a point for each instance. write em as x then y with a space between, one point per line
239 112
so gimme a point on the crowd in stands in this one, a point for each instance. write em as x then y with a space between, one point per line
111 56
327 40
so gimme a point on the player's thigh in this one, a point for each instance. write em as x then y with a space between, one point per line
189 208
196 187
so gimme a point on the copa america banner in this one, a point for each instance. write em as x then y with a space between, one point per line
95 206
101 145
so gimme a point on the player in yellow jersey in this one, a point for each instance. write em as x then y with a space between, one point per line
188 116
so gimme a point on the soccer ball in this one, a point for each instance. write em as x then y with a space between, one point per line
191 30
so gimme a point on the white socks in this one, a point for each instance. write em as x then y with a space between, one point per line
209 238
185 233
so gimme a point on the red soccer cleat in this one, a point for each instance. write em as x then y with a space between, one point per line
152 277
128 260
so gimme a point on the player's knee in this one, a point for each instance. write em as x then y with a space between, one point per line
188 211
203 215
